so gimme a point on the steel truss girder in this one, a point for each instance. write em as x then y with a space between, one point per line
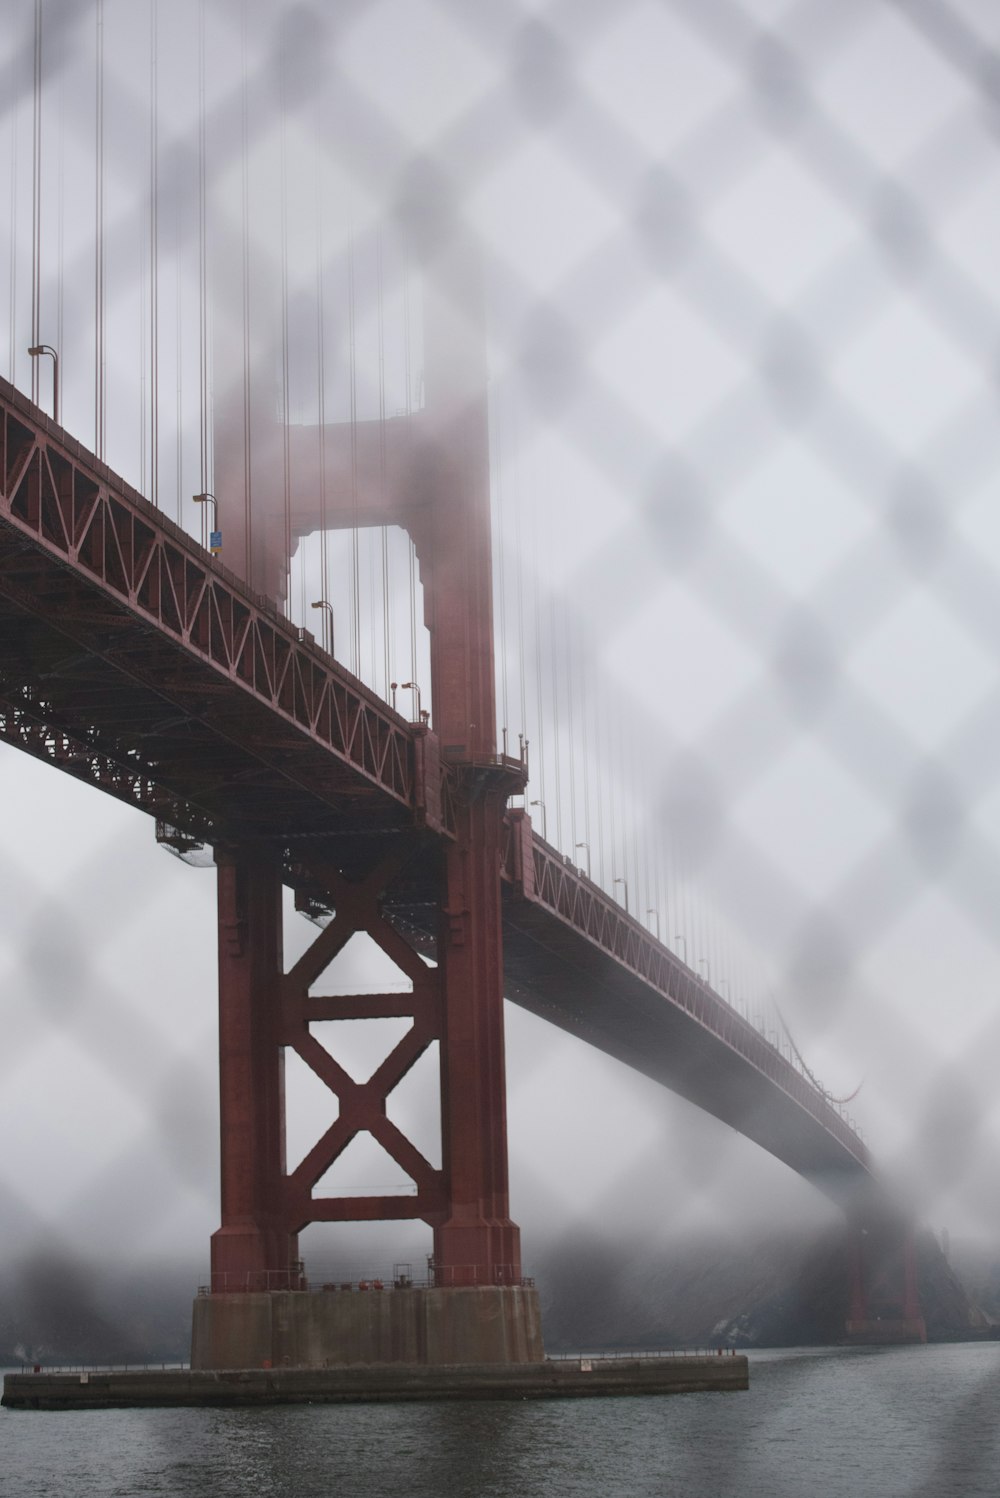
86 560
542 878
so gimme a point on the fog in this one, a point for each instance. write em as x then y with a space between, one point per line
742 315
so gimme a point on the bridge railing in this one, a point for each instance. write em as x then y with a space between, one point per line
77 513
549 878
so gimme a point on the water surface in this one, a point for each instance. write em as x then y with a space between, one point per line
921 1422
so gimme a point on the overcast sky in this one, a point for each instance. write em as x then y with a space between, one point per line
741 262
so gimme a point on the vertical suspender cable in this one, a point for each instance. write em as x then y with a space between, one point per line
204 485
99 329
614 727
496 447
519 495
656 826
568 638
247 426
286 459
324 555
12 311
602 729
178 355
355 555
144 429
61 219
386 592
154 258
408 376
36 202
556 714
585 759
539 694
520 593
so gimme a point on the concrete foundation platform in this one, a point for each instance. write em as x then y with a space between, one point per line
317 1329
549 1380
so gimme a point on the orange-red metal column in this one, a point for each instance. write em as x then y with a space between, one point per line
252 1249
477 1243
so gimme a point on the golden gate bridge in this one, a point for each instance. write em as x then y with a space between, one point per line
183 677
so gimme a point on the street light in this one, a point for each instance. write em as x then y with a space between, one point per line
587 846
321 603
704 962
214 537
656 915
542 805
679 936
624 883
46 348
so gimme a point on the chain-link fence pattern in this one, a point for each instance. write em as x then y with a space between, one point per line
744 328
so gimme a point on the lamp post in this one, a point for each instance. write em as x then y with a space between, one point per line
586 847
704 962
214 538
322 603
679 936
656 916
46 348
541 806
624 883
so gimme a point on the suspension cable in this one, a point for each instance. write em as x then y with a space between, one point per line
286 455
202 276
12 312
839 1101
537 624
355 549
408 376
100 423
324 555
386 580
61 220
154 259
496 452
36 203
247 427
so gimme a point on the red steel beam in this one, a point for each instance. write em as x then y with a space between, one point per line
85 557
563 901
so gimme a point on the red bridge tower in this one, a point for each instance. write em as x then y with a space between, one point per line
428 473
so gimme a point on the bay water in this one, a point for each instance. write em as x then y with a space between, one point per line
909 1422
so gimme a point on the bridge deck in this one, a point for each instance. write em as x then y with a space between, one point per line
574 957
131 659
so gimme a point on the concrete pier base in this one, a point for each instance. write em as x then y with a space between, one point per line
583 1378
339 1328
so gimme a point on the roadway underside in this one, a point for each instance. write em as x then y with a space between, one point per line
200 753
559 974
86 686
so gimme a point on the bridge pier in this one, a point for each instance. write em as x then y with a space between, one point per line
258 1309
884 1299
